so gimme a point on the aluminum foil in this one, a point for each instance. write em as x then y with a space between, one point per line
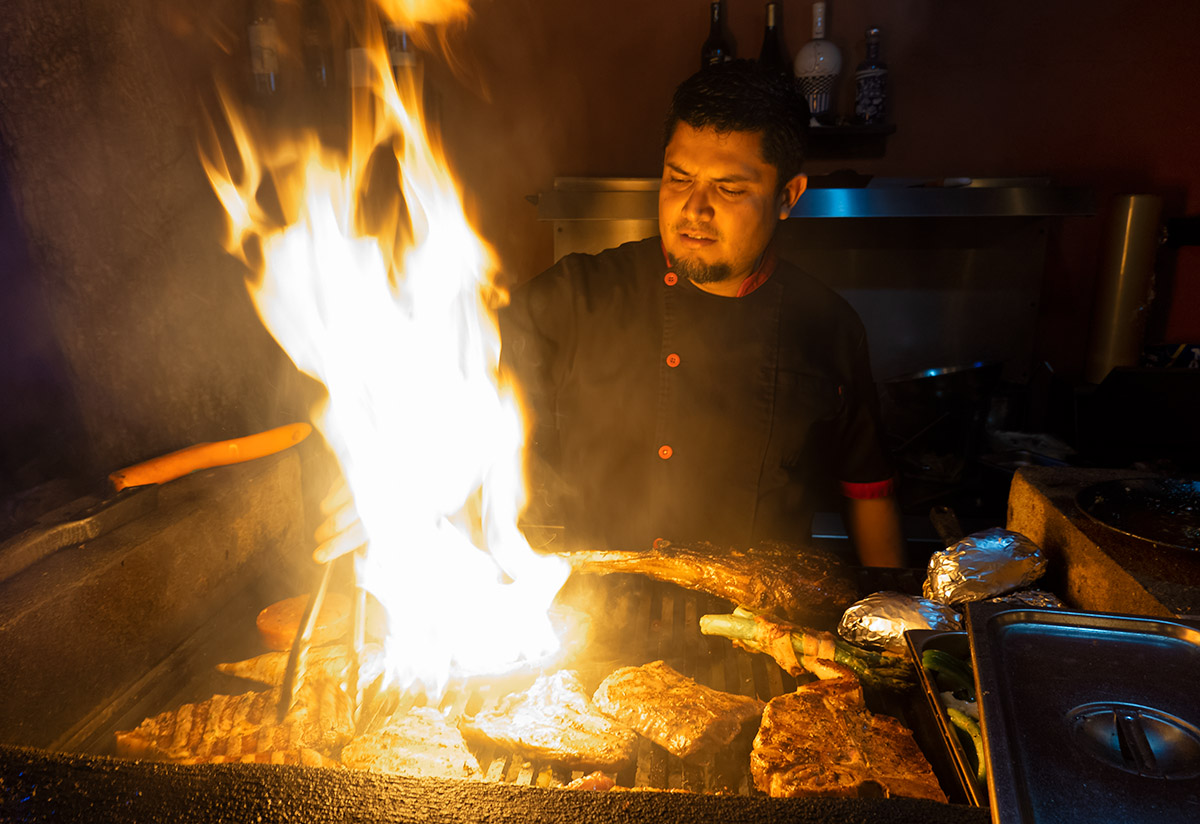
983 565
882 618
1037 598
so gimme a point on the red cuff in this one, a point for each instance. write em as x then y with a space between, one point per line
864 492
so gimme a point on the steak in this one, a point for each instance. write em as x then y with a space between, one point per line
821 740
418 743
240 725
674 711
554 720
803 584
331 661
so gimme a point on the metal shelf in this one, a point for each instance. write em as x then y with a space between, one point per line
637 199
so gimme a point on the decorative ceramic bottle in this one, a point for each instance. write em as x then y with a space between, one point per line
817 67
871 84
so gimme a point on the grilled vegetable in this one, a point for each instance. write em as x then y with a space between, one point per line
970 726
797 648
952 674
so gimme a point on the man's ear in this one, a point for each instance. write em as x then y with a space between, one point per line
791 193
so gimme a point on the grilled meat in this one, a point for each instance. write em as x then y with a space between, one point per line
240 725
418 743
674 711
803 584
822 741
328 661
554 720
597 781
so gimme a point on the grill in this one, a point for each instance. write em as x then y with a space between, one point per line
633 620
642 620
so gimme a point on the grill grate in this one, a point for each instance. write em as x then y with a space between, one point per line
633 621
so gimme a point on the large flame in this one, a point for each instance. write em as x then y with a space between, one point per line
396 324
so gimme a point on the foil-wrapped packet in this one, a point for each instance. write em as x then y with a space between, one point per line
1036 598
983 565
881 619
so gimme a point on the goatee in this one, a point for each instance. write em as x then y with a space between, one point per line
700 272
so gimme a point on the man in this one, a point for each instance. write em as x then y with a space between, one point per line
693 386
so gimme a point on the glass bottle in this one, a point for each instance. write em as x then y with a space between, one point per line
406 65
717 48
773 56
818 64
871 84
316 44
264 48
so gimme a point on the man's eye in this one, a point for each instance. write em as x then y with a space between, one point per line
732 192
680 181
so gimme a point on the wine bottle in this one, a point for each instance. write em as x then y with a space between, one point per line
871 84
773 56
264 48
717 48
818 64
316 44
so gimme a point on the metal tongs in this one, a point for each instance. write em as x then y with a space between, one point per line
303 640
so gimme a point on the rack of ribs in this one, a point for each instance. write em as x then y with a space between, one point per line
803 584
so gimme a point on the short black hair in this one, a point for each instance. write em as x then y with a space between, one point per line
742 96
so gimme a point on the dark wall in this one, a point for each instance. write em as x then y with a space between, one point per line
138 325
1085 93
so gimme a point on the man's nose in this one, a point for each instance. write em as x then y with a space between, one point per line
698 205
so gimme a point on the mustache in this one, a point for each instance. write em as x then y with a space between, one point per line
702 229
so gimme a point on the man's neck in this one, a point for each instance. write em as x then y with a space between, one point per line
726 288
730 286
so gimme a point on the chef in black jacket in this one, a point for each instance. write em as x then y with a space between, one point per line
693 386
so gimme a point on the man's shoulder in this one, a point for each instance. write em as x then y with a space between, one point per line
627 260
613 280
808 297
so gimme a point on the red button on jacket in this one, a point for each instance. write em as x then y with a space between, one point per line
665 452
670 279
672 360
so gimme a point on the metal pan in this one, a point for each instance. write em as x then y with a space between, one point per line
1164 511
1087 716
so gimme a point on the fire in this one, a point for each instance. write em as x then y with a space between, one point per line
393 315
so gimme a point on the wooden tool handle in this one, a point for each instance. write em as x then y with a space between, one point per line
205 455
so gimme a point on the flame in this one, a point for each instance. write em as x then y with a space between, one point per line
389 307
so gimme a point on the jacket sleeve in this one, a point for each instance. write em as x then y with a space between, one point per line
864 469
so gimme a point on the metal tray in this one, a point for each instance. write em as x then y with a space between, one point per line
932 728
1088 716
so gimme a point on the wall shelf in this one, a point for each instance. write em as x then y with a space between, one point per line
849 140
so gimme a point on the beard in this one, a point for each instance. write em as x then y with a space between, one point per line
697 271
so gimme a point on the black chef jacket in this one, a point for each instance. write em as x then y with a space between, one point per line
664 411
